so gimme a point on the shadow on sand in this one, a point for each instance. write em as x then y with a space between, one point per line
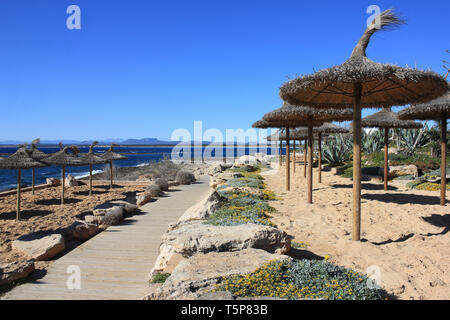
438 221
365 186
51 202
402 198
24 215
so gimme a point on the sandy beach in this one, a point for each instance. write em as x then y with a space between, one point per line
43 212
405 232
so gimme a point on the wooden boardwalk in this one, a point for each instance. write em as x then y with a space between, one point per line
115 264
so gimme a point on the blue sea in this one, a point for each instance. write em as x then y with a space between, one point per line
137 156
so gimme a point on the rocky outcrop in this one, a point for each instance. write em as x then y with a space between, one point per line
143 198
82 231
38 246
129 208
197 275
197 237
15 271
71 181
247 160
204 208
53 182
154 190
113 217
185 177
397 171
162 183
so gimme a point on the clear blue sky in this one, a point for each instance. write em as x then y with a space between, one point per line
142 68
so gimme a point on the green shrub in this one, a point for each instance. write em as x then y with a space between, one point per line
160 277
299 279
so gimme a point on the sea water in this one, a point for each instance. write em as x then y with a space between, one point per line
137 156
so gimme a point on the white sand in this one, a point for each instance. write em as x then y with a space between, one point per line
405 233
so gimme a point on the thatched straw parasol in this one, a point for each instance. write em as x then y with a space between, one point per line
19 161
360 82
64 159
439 110
111 156
308 117
386 119
36 155
90 159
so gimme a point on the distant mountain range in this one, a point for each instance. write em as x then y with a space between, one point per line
135 142
123 142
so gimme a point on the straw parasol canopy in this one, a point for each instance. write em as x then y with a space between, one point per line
90 159
296 116
111 156
64 159
439 110
19 161
360 82
36 155
386 119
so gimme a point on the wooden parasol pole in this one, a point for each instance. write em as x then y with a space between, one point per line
320 157
356 232
63 182
110 175
386 155
305 154
19 182
310 162
90 180
288 161
443 158
293 157
32 182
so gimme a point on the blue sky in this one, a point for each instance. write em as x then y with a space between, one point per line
142 68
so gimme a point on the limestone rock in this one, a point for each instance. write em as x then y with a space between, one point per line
53 182
93 219
162 183
185 177
247 160
113 217
204 208
154 190
71 181
15 270
397 171
143 198
40 246
194 276
82 231
197 237
102 209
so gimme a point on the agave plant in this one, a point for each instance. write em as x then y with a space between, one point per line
372 142
337 150
413 139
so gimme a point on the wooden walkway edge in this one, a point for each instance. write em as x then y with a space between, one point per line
115 264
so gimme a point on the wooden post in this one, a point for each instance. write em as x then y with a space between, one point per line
320 157
110 175
63 182
310 162
305 155
386 155
293 158
288 161
90 179
32 182
443 159
356 231
19 182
